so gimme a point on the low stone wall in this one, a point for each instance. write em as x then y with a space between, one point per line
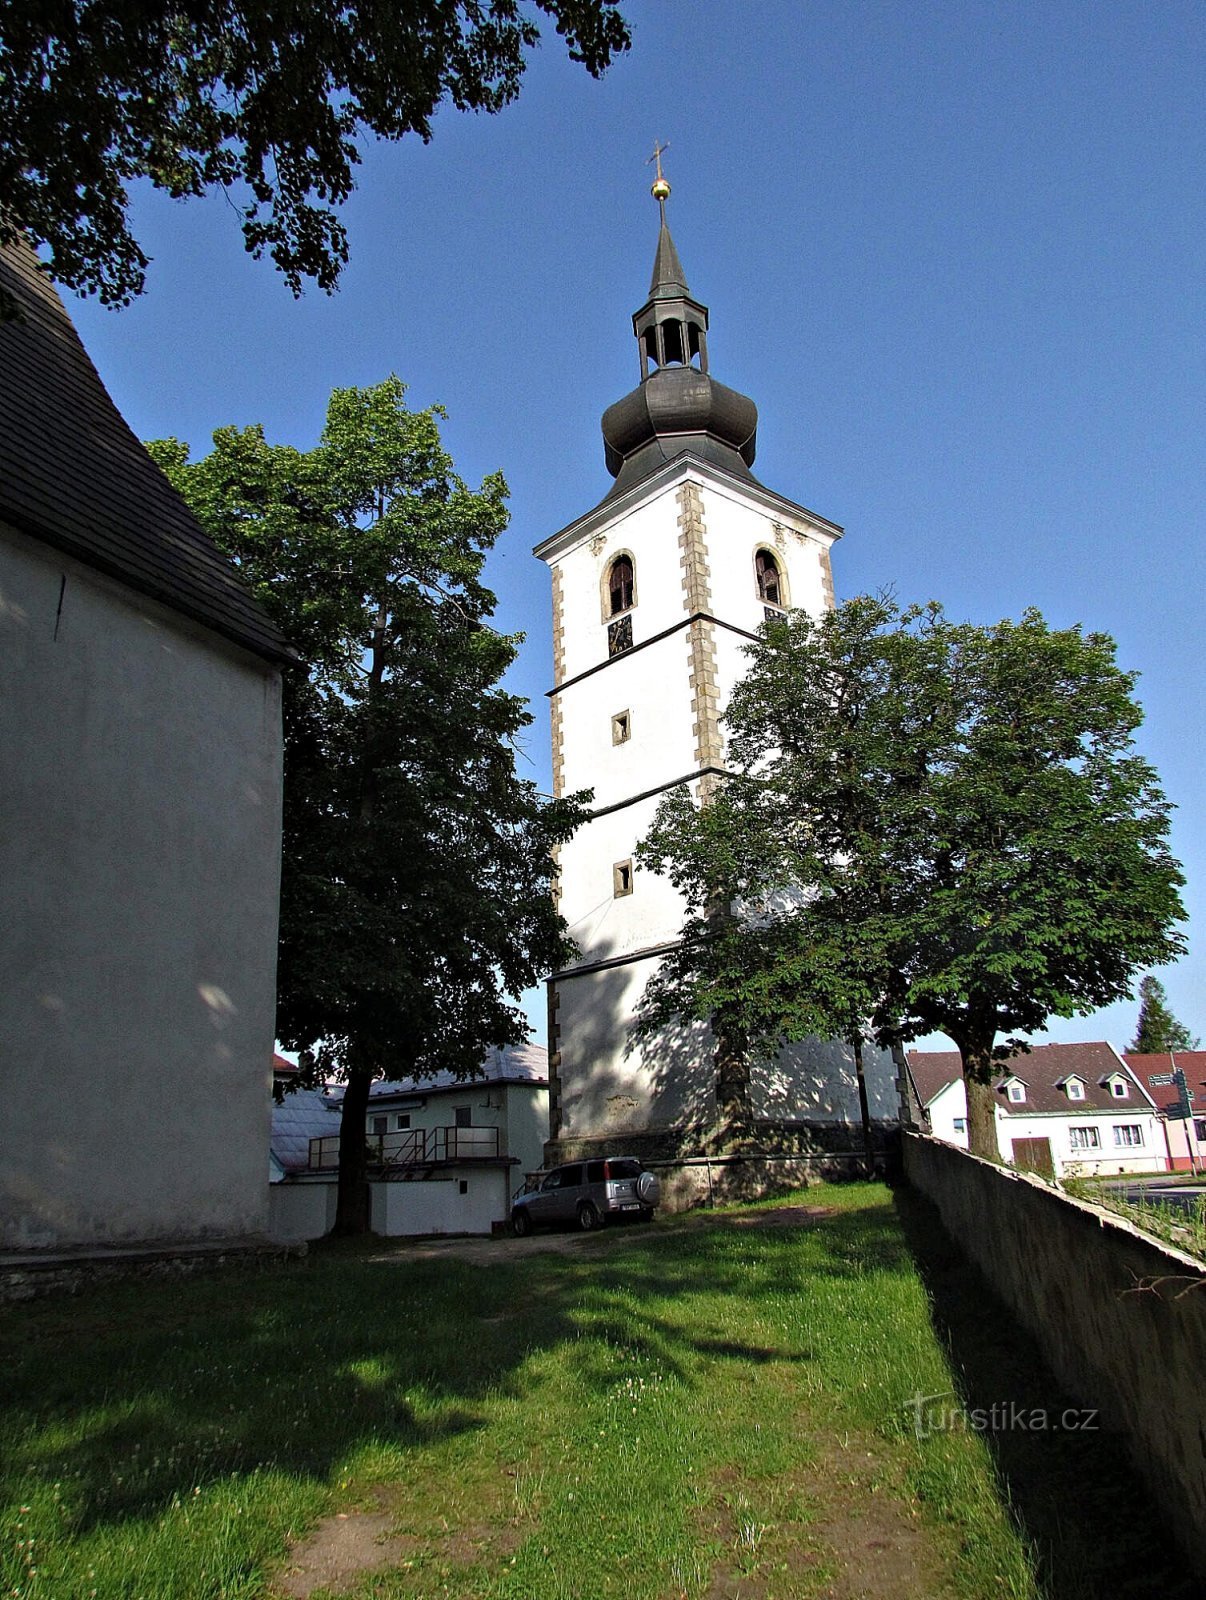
1120 1318
775 1158
30 1275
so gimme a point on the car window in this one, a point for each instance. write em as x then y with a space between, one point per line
594 1171
553 1181
623 1169
571 1177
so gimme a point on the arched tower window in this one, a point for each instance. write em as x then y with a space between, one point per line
620 585
770 583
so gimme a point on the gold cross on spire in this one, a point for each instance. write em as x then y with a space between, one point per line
661 189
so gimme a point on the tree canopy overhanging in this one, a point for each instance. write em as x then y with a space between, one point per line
264 101
929 826
417 865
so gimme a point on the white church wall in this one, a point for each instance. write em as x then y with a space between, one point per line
602 923
663 1084
736 529
815 1081
652 687
139 861
649 534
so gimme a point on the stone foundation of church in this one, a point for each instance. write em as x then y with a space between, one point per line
772 1159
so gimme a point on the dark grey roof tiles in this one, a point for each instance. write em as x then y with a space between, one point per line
73 475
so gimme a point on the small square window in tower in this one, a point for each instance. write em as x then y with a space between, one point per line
621 728
621 879
619 636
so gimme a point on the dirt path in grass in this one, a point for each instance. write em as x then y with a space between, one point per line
488 1252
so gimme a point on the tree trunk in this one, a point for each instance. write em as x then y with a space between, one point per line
981 1102
864 1107
352 1210
732 1083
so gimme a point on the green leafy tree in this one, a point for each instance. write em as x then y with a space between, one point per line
417 869
267 102
1158 1031
930 826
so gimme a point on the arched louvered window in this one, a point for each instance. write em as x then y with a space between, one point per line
620 584
770 589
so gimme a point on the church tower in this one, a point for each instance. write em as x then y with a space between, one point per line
656 591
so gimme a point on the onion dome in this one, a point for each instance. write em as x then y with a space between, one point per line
678 406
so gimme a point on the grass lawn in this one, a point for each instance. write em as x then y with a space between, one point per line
715 1407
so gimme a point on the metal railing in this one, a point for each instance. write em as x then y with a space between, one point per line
411 1147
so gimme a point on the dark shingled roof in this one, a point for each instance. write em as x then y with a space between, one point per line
73 475
1042 1069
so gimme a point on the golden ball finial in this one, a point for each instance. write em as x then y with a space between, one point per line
660 189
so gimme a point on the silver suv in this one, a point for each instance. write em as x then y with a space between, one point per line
586 1193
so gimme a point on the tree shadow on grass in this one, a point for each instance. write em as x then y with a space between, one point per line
1074 1495
134 1395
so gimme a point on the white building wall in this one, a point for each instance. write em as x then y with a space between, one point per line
951 1104
437 1205
609 1086
139 861
736 528
652 687
298 1212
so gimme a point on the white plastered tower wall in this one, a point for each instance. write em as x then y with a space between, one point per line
657 594
693 536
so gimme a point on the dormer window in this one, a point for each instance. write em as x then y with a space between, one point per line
1075 1089
1016 1091
770 583
621 586
1118 1087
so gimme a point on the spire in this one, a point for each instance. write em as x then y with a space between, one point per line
669 281
677 407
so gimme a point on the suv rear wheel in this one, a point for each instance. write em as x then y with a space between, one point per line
588 1217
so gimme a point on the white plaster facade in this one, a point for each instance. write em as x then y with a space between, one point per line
139 862
692 532
1071 1157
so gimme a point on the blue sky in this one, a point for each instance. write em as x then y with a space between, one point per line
953 250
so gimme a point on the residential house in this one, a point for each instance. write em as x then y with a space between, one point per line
139 826
1063 1109
1185 1136
445 1153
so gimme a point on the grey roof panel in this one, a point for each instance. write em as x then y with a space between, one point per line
73 474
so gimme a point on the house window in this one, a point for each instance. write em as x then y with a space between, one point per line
1128 1134
1076 1089
401 1121
378 1124
621 588
960 1124
1119 1089
621 878
464 1185
1017 1093
621 728
464 1116
1084 1138
770 580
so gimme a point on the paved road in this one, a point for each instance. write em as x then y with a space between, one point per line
1154 1192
